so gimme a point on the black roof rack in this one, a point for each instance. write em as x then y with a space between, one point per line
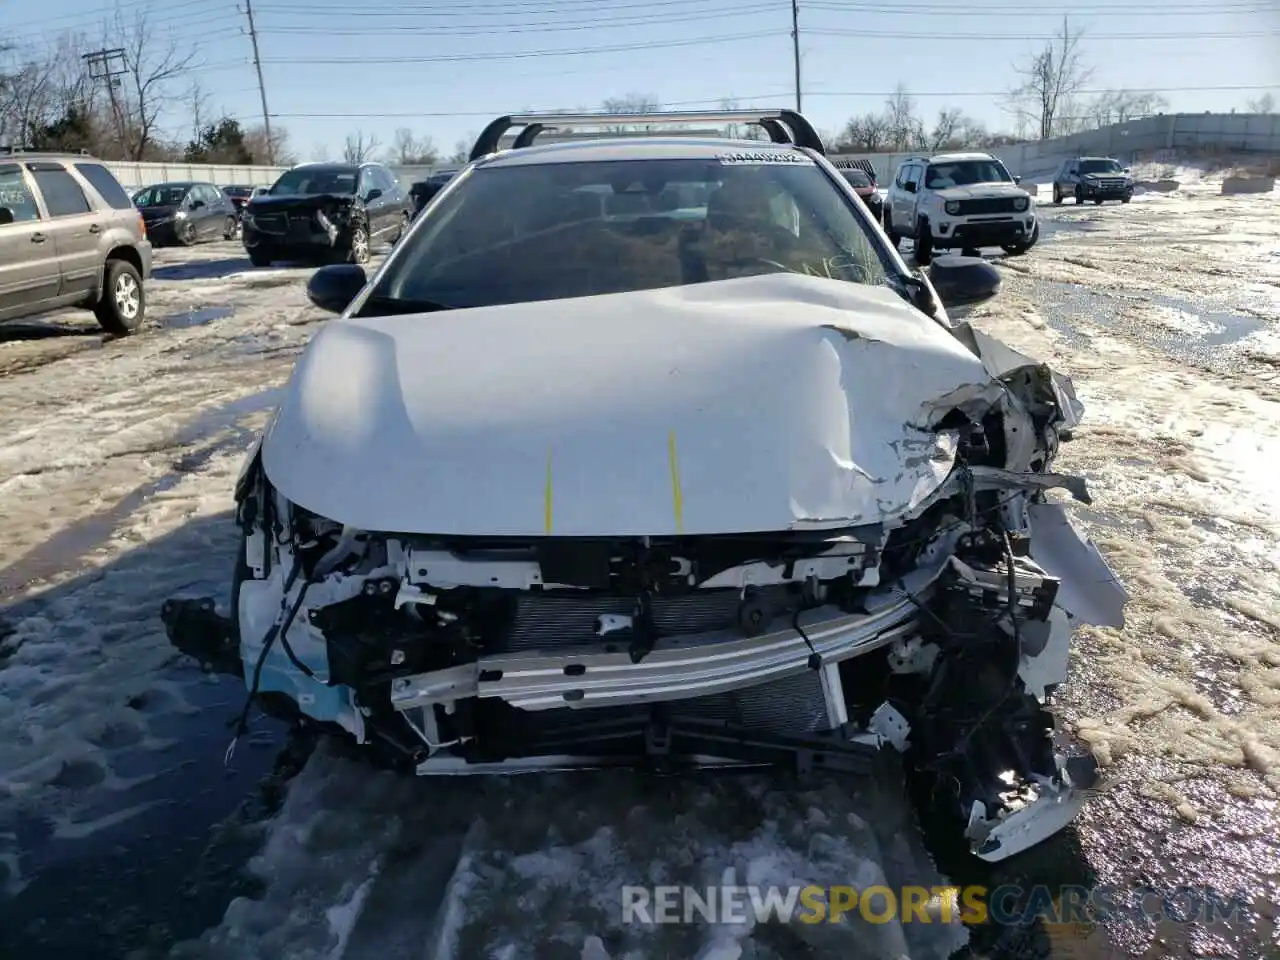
783 126
13 151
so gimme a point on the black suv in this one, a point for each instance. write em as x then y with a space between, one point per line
326 211
70 237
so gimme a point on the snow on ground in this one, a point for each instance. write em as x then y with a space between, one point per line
114 495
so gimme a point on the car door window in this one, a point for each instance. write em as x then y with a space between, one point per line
366 182
15 195
108 187
62 195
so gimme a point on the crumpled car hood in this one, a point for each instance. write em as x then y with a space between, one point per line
756 404
979 190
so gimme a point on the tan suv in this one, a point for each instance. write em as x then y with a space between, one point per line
70 237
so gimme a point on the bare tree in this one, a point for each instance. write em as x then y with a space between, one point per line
740 131
905 130
950 121
631 103
255 141
868 133
409 150
462 150
360 147
197 108
1050 80
1264 104
153 71
1118 106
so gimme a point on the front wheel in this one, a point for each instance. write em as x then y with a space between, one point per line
924 244
123 303
1018 249
229 228
894 237
358 251
1057 195
186 233
259 257
405 221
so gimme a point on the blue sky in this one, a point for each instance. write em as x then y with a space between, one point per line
333 67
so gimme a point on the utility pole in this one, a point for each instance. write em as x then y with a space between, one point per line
262 87
107 66
795 46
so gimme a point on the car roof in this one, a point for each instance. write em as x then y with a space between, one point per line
176 183
637 148
332 165
14 154
957 157
1078 159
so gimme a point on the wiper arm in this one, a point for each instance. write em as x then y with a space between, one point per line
383 306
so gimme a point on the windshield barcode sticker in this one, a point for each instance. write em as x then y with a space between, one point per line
758 158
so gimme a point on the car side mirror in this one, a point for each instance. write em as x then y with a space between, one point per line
6 215
197 204
963 281
333 288
1126 169
1017 179
372 195
909 187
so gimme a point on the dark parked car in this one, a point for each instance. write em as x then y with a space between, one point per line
239 195
70 237
864 185
325 211
186 213
423 190
1093 178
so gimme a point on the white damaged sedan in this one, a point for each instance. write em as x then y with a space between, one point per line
652 451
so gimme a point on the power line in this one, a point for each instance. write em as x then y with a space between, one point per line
105 13
987 38
201 34
527 54
466 114
460 30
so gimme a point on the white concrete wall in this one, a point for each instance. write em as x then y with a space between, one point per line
1034 162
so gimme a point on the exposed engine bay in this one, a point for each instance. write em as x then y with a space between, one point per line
938 634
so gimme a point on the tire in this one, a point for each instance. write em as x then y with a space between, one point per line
358 250
123 304
924 244
405 222
1079 194
185 234
259 257
1057 195
1125 199
1097 201
229 228
1018 249
895 239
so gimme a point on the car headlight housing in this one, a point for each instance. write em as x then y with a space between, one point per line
1021 203
953 207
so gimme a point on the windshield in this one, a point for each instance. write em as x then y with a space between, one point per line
963 173
237 191
558 230
857 178
340 180
1100 166
161 196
